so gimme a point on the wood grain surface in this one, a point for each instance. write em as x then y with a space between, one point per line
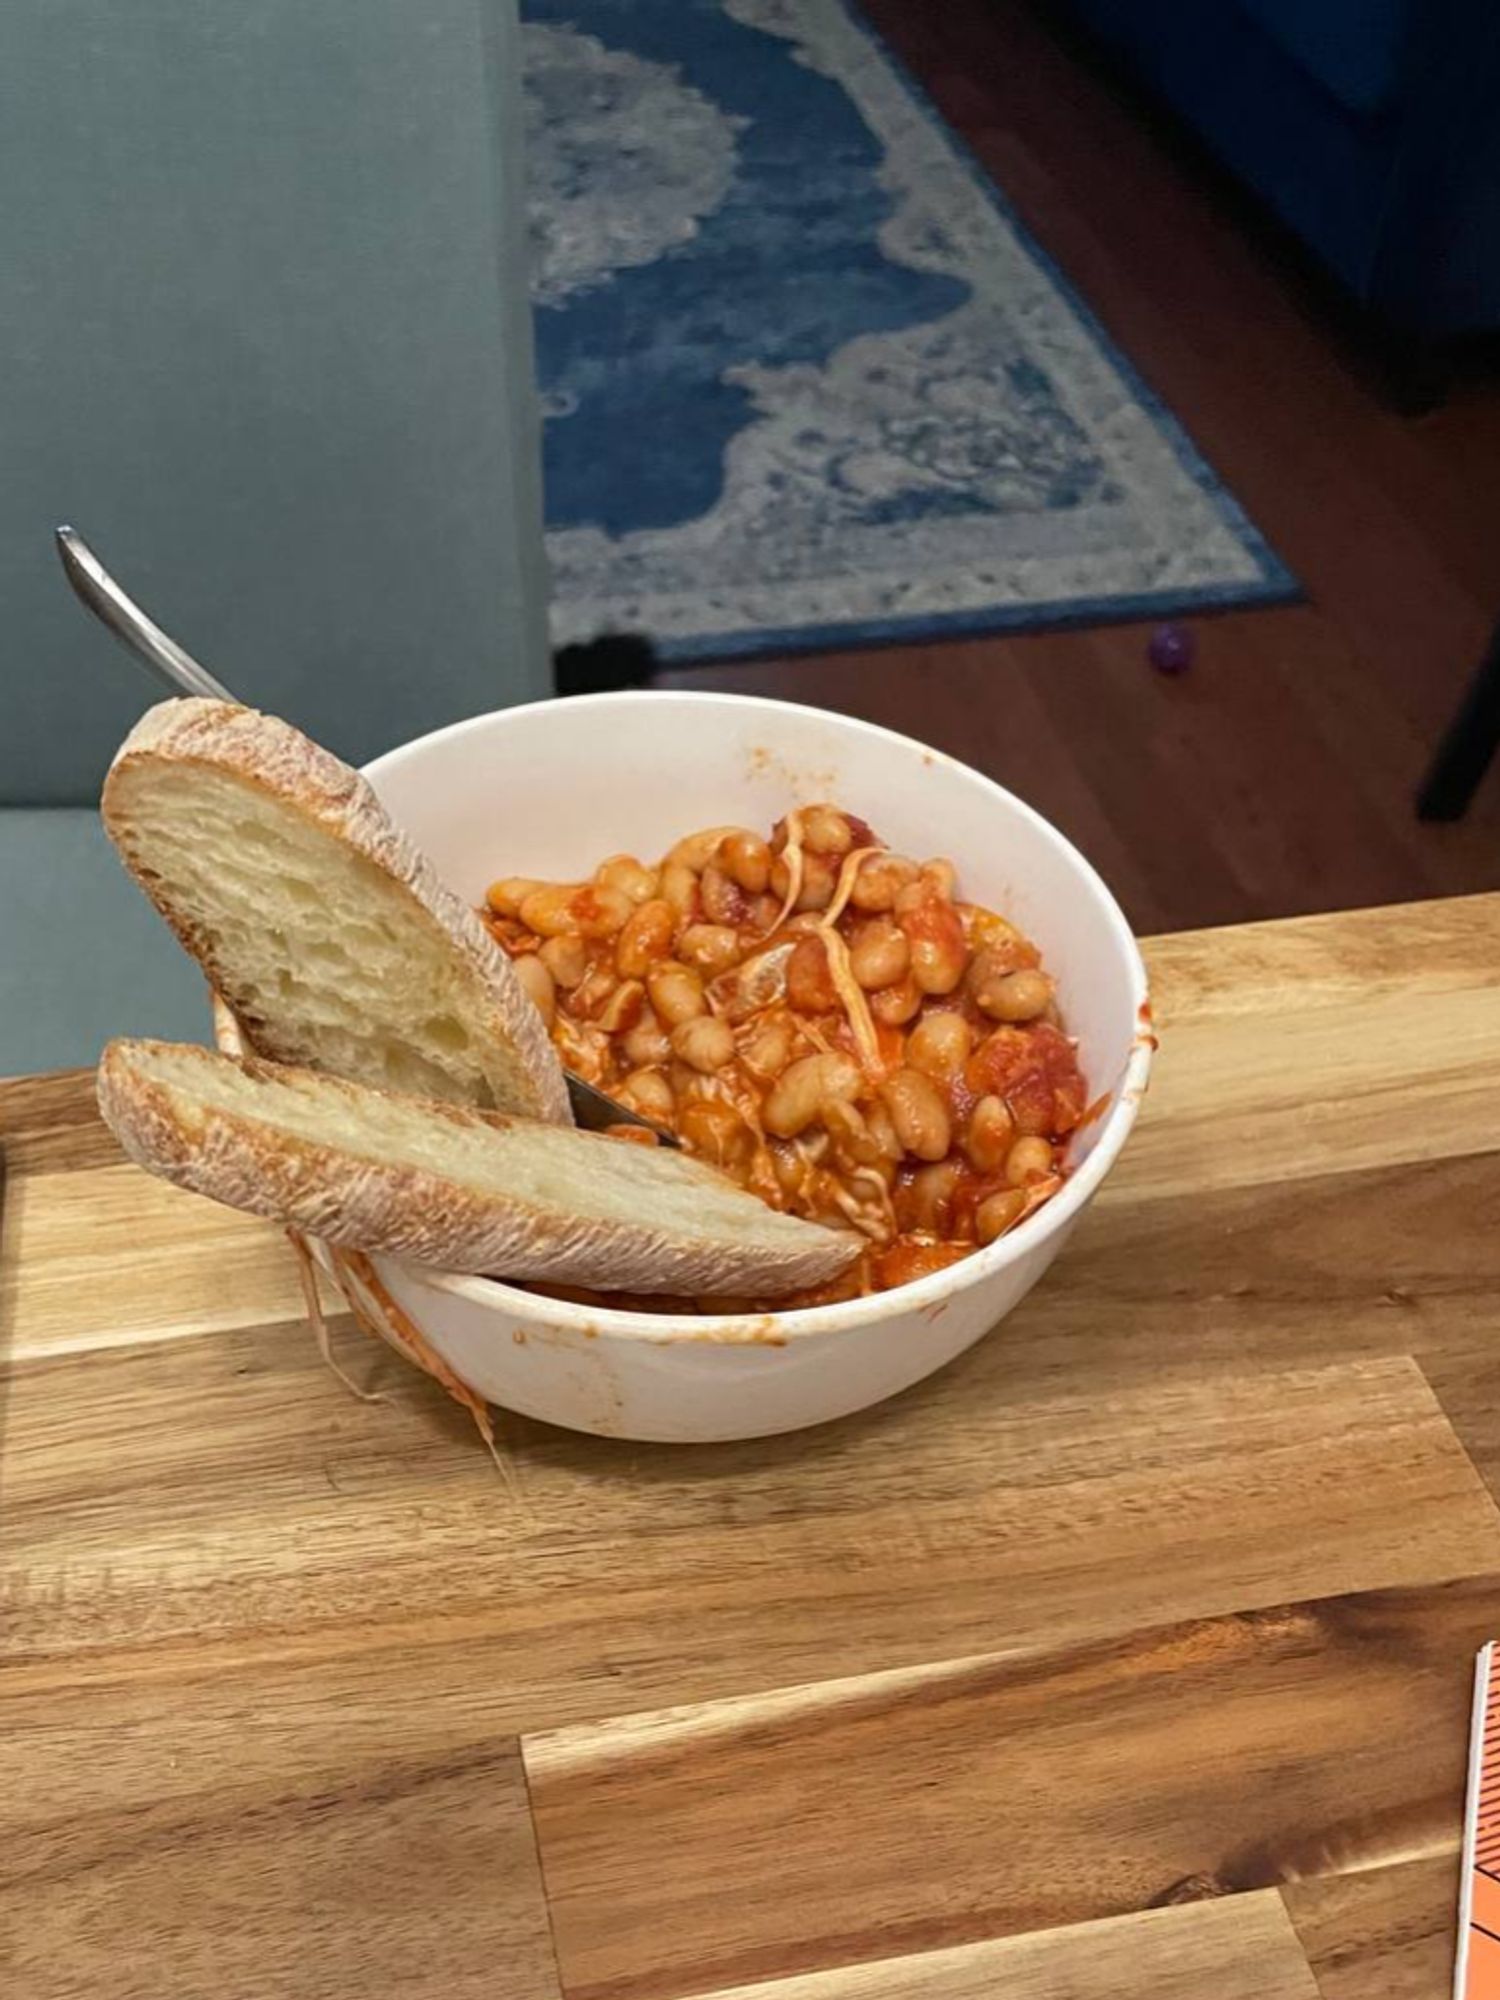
1131 1654
1239 1950
996 1797
1387 1931
280 1853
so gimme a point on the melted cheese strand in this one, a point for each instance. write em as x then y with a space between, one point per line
855 1005
883 1195
873 1227
1037 1193
312 1300
378 1313
853 862
791 854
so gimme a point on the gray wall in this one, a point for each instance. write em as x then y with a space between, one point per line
264 339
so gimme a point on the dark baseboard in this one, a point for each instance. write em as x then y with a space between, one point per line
618 660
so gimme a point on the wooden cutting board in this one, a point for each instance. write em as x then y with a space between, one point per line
1130 1656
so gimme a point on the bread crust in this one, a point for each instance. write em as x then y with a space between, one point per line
269 756
329 1192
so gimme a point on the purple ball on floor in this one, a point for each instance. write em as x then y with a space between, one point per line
1171 649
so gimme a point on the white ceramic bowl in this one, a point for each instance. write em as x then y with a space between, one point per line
549 790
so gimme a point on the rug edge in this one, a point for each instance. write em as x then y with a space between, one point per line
1190 455
773 642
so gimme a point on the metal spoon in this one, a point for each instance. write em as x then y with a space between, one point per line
115 608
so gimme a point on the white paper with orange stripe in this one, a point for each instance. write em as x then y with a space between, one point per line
1477 1974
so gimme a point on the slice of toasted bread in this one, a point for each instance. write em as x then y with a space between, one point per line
445 1185
324 929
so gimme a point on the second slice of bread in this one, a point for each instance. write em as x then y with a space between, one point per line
317 920
442 1185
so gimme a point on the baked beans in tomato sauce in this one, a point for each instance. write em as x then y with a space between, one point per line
830 1023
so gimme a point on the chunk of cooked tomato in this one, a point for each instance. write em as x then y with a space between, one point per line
1035 1070
907 1260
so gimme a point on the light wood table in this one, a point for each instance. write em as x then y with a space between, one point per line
1130 1656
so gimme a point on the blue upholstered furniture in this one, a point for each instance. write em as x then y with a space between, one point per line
266 339
1371 127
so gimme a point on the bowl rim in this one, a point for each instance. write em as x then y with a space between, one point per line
927 1296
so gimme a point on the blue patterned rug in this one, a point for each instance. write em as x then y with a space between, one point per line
806 380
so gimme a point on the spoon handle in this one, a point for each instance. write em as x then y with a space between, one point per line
125 618
115 608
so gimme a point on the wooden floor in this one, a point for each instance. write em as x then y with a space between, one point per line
1277 777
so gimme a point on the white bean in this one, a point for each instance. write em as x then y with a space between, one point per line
539 985
918 1113
939 1045
566 958
879 955
588 909
802 1089
676 993
704 1043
